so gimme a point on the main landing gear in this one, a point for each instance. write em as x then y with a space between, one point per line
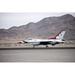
46 46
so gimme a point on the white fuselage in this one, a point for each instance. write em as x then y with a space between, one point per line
37 41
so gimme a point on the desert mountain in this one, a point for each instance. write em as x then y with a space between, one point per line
46 27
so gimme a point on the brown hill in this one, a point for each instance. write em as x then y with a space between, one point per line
44 28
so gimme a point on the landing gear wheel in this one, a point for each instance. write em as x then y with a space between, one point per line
46 46
33 46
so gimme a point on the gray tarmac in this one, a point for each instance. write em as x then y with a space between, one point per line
37 55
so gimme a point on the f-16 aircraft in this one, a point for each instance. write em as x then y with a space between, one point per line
53 41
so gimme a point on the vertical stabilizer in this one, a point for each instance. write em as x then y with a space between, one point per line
61 35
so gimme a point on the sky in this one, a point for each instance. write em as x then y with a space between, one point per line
8 20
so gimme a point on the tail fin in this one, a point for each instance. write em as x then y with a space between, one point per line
61 35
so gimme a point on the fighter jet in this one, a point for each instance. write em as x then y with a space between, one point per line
59 38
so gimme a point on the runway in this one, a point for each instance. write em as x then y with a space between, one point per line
37 55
